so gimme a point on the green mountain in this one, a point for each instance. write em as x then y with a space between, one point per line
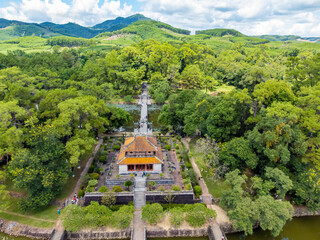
150 29
120 22
71 30
13 29
221 32
281 38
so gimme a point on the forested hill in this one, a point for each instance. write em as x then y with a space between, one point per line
71 30
220 32
10 29
120 22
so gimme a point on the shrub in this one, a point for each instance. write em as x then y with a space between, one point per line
176 188
161 175
81 193
193 177
91 169
183 174
93 183
127 184
103 189
116 147
117 189
123 217
179 137
168 147
101 169
118 176
151 185
94 176
89 189
176 216
128 98
152 213
183 167
109 199
132 175
188 186
105 139
168 206
197 191
161 188
186 181
86 180
176 146
197 214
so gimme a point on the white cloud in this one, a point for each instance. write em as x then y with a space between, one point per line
252 17
83 12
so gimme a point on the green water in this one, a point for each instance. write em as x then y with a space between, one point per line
134 110
305 228
8 237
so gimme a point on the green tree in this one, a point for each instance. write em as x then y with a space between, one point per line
273 214
152 213
176 216
281 181
109 199
42 170
72 218
197 214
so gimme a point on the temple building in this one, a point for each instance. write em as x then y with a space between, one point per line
140 153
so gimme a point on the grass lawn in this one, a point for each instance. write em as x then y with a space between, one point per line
27 221
46 213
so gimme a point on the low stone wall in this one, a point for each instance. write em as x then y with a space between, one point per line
101 234
164 233
186 197
302 211
18 229
123 198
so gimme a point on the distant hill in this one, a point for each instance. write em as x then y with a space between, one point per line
119 23
150 29
71 30
13 29
281 38
220 32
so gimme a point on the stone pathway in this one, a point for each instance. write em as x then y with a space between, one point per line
138 226
139 192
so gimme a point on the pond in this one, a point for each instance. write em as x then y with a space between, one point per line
134 110
304 228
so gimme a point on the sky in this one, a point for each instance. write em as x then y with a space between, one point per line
251 17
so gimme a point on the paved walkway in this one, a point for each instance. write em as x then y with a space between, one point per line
139 192
138 226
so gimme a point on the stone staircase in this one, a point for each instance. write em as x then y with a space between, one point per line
140 192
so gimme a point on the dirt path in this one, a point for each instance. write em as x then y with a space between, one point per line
203 185
29 217
222 216
85 170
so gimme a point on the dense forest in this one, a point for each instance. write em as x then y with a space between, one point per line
262 137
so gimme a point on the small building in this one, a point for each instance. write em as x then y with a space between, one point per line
140 153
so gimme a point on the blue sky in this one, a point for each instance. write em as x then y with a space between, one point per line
251 17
